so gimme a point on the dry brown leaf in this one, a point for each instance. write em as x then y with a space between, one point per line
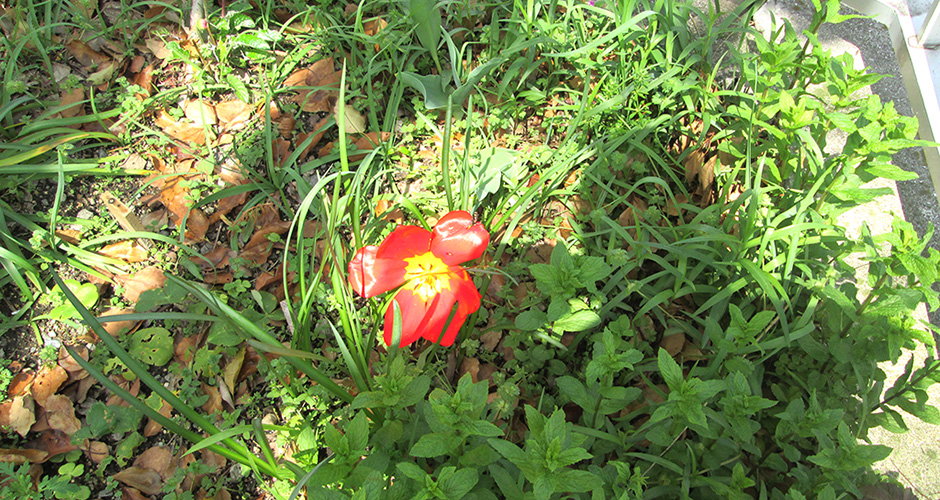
18 414
72 99
20 383
233 114
66 361
157 458
60 413
47 382
232 368
222 494
197 224
85 55
21 456
286 126
354 122
706 176
265 279
490 339
69 235
259 247
321 74
53 442
132 387
218 258
96 451
148 481
116 328
226 205
471 366
693 164
148 278
127 250
674 343
214 404
185 348
200 113
217 277
144 79
152 428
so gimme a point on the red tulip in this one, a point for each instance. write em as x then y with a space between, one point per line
426 265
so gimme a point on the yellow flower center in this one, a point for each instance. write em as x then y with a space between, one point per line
426 275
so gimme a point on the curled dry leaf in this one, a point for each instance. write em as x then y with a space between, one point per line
61 414
47 382
197 224
232 369
66 361
157 458
21 456
53 442
116 328
129 251
96 451
18 414
152 428
148 278
471 366
71 100
234 114
200 113
148 481
325 81
214 404
20 383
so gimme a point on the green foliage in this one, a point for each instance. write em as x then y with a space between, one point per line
18 483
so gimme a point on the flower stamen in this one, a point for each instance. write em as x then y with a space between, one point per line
426 275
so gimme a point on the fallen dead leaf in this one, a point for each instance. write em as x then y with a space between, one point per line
67 362
71 100
20 383
60 414
129 251
47 382
116 328
148 481
200 113
214 404
354 122
21 456
152 428
148 278
232 368
53 442
96 451
490 339
157 458
325 81
471 366
233 114
87 56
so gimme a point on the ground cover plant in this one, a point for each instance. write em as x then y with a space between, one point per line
543 249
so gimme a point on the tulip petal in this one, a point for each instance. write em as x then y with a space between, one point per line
361 278
376 270
456 239
426 319
405 242
415 315
468 301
